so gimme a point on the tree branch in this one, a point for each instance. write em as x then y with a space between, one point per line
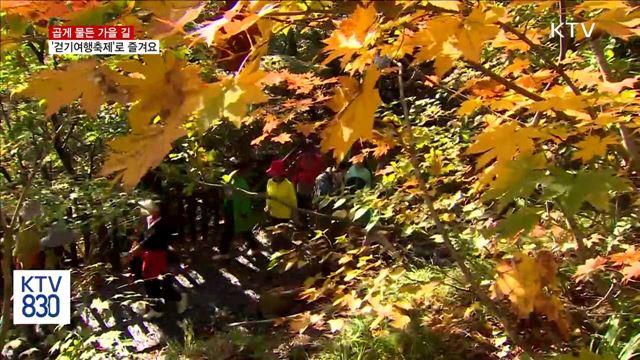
257 195
5 114
39 53
577 235
627 138
7 258
508 84
541 53
71 128
58 145
433 213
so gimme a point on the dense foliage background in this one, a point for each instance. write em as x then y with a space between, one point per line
504 213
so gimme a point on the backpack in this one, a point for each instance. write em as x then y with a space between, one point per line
324 184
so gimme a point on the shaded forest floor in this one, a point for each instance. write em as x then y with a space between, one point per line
220 292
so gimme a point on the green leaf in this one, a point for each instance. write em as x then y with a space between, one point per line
594 187
522 220
360 212
518 179
339 203
100 305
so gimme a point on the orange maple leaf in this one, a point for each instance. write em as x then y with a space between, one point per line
259 139
352 35
617 87
358 159
583 272
270 123
305 129
282 138
631 272
625 258
518 66
386 170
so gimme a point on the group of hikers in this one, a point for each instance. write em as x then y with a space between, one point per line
297 181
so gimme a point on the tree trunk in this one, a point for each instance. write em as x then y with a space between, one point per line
628 140
205 215
86 237
58 144
115 248
192 205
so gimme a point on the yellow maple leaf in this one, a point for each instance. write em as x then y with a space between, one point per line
523 281
519 280
344 93
552 307
431 39
468 106
509 42
161 77
593 146
350 300
210 31
355 120
234 21
131 156
230 98
601 4
62 87
617 87
617 22
503 142
336 324
353 35
259 139
566 102
399 320
446 4
442 65
477 28
300 323
166 8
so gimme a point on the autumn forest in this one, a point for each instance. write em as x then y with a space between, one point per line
329 180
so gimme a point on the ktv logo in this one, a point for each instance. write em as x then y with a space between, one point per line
42 297
559 29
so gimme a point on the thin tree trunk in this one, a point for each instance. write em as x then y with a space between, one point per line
564 39
627 137
58 145
473 281
7 259
86 237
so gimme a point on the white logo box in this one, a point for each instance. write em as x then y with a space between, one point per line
41 297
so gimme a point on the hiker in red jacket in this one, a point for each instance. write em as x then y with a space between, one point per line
308 165
153 250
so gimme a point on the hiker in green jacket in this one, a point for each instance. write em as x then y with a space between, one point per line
239 215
